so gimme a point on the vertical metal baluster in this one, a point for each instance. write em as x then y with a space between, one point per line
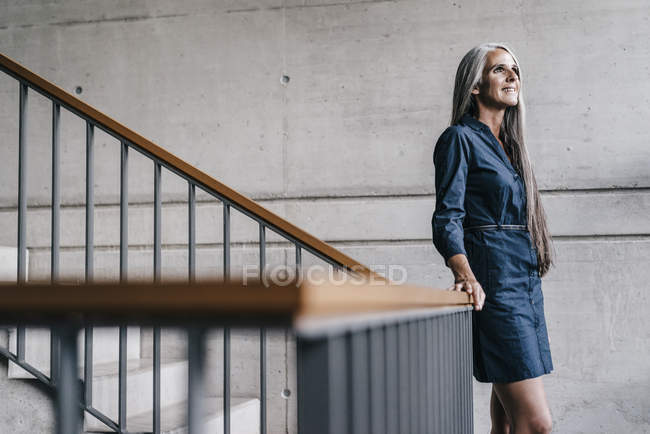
457 374
22 209
430 381
360 381
20 343
403 372
122 380
377 379
88 338
124 212
422 376
226 330
157 209
55 356
298 263
124 251
54 254
391 380
196 380
262 336
226 242
437 374
455 371
191 232
446 349
156 277
450 373
349 383
90 202
444 372
88 367
22 185
67 402
156 380
56 203
463 372
470 367
413 372
460 371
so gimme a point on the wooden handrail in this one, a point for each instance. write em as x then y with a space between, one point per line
215 301
201 178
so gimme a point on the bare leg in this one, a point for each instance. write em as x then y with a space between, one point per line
500 421
525 404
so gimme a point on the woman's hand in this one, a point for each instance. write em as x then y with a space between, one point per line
471 286
465 280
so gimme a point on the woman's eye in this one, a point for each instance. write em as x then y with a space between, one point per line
498 69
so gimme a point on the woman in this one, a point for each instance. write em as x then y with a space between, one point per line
490 227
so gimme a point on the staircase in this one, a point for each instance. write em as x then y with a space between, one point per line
130 383
105 383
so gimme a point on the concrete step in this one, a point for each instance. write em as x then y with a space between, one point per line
244 417
9 264
139 385
105 348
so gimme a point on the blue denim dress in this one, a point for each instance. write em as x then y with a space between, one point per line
481 212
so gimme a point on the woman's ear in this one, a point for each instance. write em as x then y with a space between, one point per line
475 90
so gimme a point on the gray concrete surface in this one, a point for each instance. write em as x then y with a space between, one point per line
344 149
26 404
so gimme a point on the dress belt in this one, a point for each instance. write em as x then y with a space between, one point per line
496 227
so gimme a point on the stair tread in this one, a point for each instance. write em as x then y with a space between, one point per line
175 416
133 366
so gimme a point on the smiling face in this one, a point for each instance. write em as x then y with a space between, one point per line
499 86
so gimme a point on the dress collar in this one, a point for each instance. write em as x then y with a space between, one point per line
475 124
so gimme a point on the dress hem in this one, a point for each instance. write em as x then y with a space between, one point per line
512 379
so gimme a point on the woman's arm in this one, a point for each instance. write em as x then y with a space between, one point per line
450 159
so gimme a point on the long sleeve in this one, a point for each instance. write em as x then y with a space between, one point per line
450 158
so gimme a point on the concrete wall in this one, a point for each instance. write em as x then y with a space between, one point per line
344 147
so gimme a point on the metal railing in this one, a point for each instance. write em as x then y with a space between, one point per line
394 372
229 198
382 360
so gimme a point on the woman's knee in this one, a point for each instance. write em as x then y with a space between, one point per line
542 424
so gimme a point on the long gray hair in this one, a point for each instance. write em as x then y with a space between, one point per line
468 76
